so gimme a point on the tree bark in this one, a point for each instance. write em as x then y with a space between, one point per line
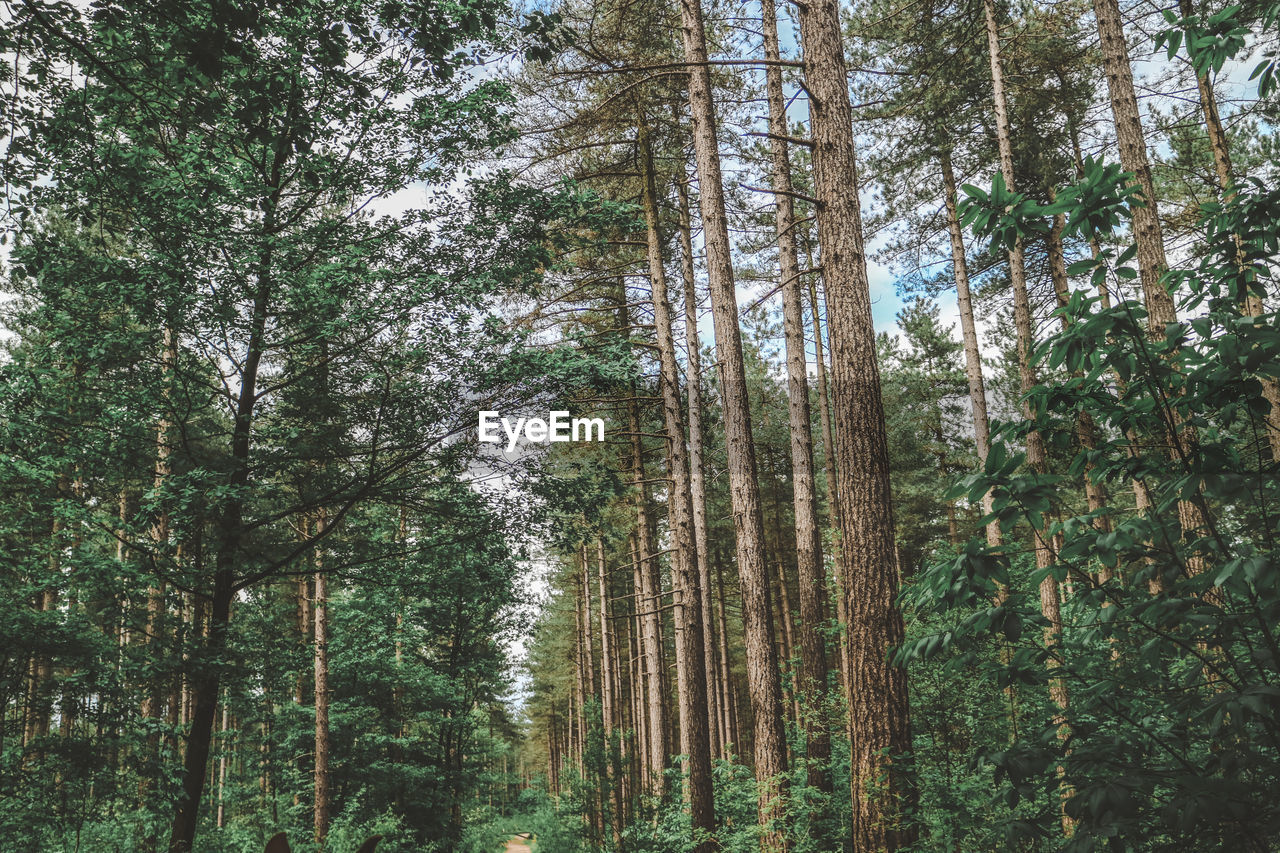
762 661
1147 234
879 708
1086 431
812 678
222 768
322 780
639 670
650 607
206 681
1037 459
608 693
691 684
606 643
969 333
1222 167
697 479
830 466
153 700
1212 120
729 705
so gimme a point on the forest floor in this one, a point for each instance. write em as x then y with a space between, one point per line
518 844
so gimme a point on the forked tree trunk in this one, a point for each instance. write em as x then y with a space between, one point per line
879 708
231 532
744 488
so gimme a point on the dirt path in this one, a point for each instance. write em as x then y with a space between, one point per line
518 844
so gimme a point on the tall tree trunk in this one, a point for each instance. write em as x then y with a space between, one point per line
153 699
1086 432
553 755
606 641
969 333
588 645
206 681
812 679
1212 120
223 761
650 607
1141 493
639 669
728 690
697 480
879 708
608 694
322 780
597 767
40 692
744 488
576 717
1147 233
1222 167
691 684
833 488
1037 459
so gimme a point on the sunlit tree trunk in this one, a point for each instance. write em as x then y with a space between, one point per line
223 761
1148 235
